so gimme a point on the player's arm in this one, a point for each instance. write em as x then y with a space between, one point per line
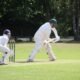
57 37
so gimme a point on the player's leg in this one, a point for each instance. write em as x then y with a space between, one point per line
6 53
50 53
37 47
4 58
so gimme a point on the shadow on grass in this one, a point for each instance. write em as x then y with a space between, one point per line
21 62
3 64
37 61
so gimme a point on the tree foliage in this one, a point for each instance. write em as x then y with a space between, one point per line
67 12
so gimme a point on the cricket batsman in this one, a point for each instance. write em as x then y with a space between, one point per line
42 38
4 39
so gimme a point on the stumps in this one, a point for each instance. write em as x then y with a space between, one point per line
12 47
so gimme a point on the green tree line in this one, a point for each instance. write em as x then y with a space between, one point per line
67 12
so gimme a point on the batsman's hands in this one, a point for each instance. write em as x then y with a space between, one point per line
57 39
54 40
46 42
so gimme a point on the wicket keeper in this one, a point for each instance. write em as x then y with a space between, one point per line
42 37
4 39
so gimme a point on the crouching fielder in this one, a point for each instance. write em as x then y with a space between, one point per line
4 39
41 38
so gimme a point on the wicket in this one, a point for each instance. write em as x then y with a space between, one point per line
12 47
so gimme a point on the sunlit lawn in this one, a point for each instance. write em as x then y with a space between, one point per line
66 67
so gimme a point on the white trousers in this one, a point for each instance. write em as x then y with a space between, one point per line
38 45
6 53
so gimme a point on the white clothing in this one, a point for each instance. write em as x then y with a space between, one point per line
43 32
4 48
4 40
42 35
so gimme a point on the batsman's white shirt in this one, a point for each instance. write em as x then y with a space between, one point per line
43 32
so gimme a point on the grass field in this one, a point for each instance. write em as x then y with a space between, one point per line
66 67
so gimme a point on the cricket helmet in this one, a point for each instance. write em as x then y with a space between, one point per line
7 32
53 21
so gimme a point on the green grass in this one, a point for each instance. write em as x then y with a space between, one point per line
66 67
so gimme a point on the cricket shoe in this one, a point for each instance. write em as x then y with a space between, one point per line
52 59
2 63
30 60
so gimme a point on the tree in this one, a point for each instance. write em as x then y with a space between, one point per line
35 12
76 19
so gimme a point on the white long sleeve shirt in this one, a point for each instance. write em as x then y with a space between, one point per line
4 40
43 33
